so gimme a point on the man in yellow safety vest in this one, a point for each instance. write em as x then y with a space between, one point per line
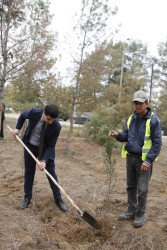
142 144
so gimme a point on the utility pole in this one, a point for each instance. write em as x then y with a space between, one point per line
152 73
121 77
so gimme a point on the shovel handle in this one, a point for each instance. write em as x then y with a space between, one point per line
51 177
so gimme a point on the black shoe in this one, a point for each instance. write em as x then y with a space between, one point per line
24 204
61 205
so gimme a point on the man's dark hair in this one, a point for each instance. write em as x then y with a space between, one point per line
52 110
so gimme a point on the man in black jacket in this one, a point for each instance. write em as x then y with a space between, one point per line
142 137
47 120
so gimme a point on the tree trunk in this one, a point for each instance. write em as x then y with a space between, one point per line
70 131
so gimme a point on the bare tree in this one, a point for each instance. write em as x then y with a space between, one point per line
90 30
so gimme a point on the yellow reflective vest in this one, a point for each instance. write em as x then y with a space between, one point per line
147 139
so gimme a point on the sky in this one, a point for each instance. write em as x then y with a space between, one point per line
143 20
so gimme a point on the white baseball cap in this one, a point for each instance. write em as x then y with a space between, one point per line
140 96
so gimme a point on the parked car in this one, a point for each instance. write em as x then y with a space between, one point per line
164 130
85 117
63 115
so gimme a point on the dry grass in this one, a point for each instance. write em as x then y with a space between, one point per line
43 226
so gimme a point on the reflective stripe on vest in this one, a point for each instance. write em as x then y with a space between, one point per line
124 152
147 139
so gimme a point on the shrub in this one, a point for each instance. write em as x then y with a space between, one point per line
97 129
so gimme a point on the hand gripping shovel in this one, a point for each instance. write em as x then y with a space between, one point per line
86 216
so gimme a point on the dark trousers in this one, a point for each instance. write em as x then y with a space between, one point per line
2 121
30 168
137 184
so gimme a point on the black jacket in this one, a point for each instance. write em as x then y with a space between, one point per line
51 133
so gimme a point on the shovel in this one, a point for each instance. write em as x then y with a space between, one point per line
86 216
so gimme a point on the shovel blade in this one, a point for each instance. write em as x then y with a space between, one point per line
92 221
